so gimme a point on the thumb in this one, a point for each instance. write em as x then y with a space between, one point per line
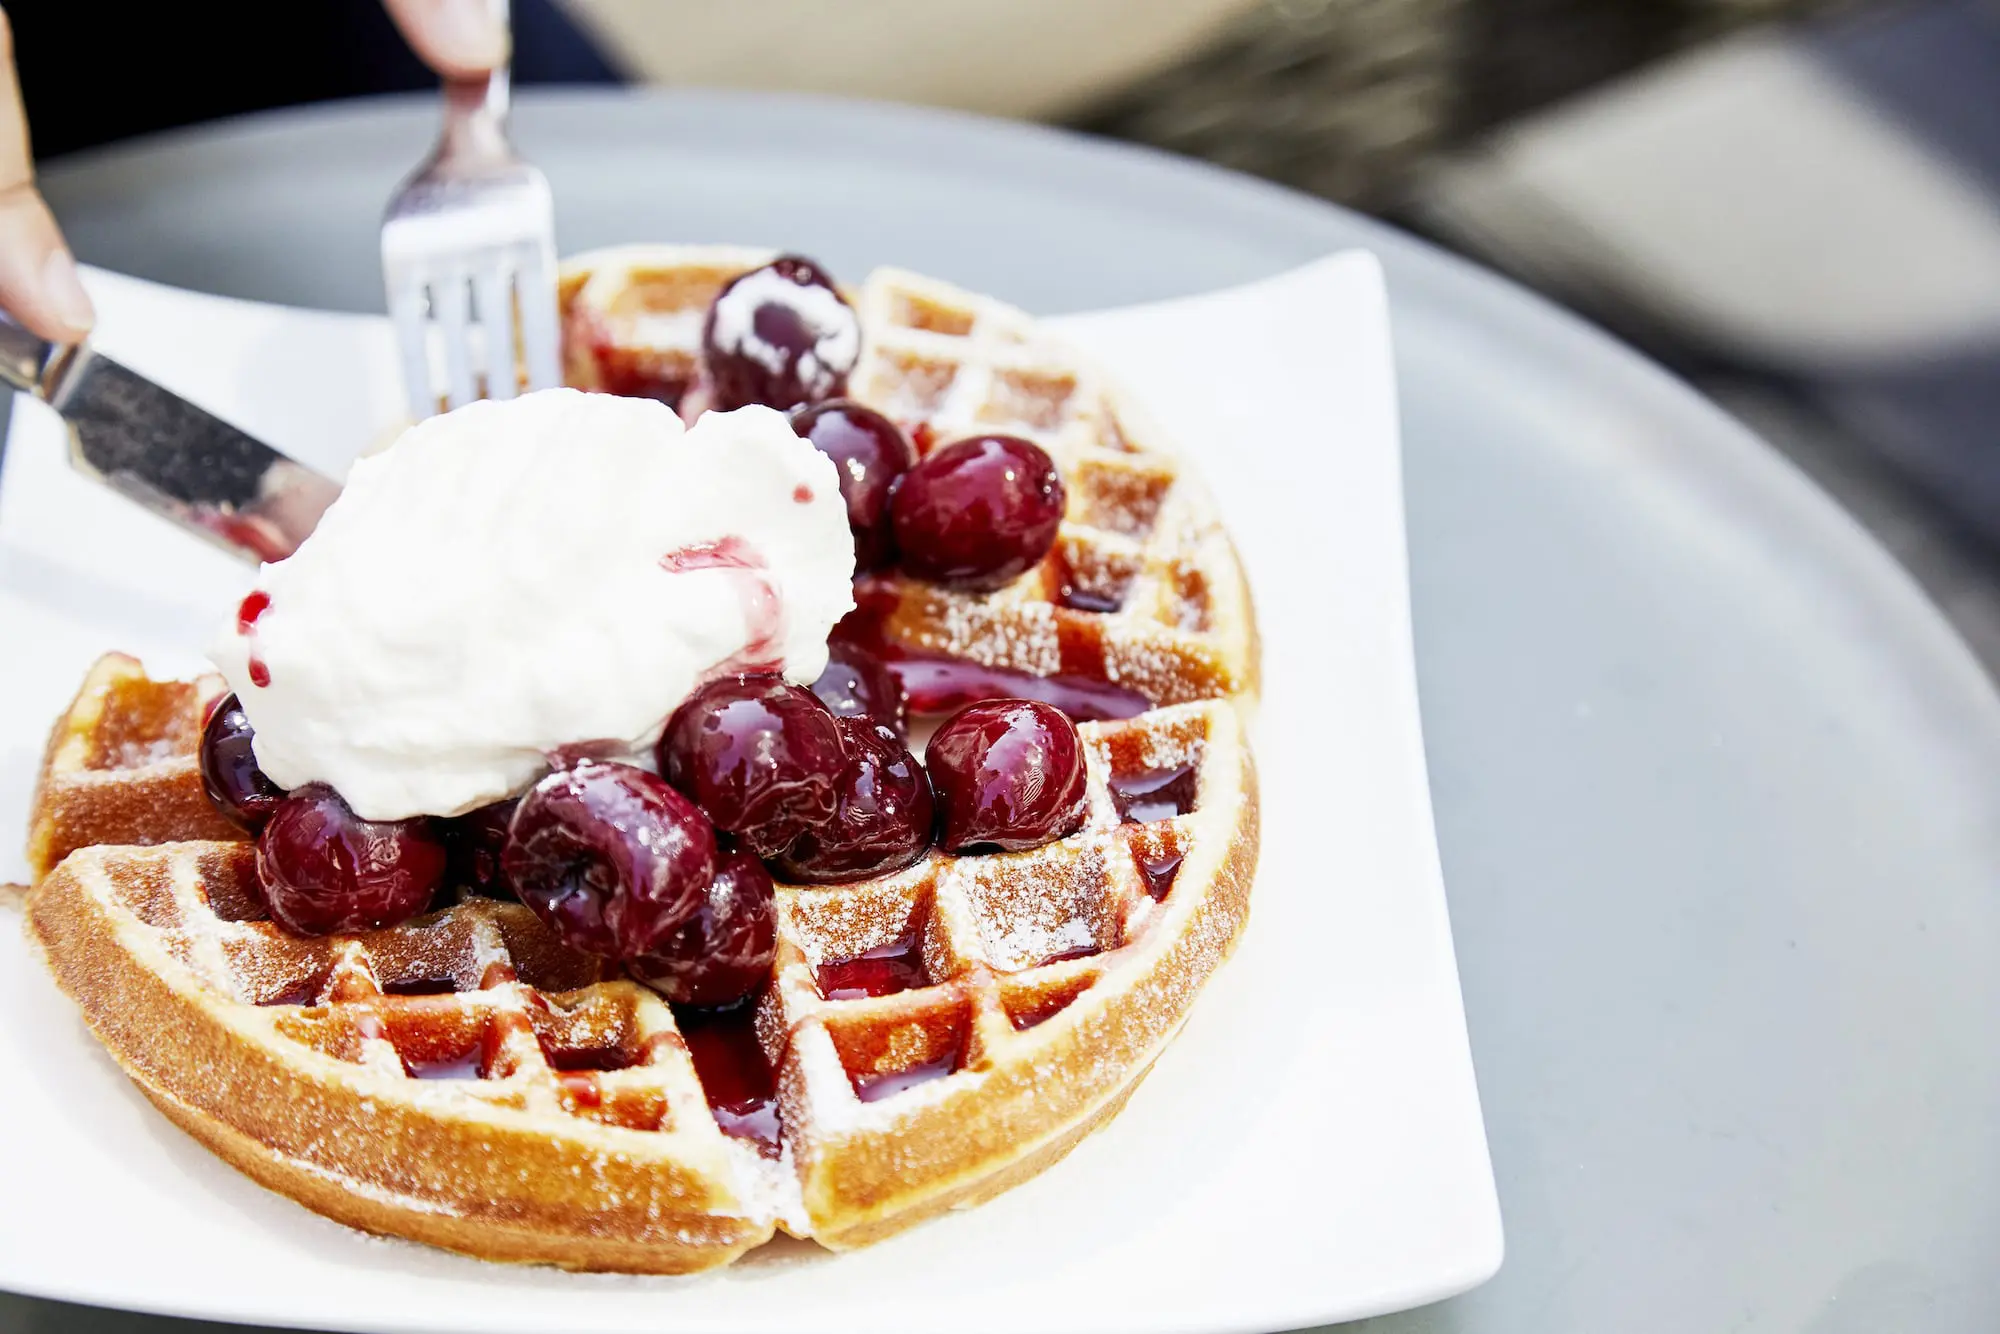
457 38
38 282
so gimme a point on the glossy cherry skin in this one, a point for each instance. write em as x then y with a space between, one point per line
857 684
870 454
1008 774
229 772
723 953
610 857
780 335
883 822
977 513
476 841
760 756
325 869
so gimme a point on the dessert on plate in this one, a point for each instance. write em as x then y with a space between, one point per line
798 785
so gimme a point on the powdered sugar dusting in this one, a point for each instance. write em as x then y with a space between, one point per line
1054 977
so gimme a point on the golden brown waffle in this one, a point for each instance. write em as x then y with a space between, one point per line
120 766
1143 589
467 1081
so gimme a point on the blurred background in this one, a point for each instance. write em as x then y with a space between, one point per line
1794 203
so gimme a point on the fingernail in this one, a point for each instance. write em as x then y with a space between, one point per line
467 34
63 290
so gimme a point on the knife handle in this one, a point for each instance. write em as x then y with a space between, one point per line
33 364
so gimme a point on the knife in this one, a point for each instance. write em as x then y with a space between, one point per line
179 461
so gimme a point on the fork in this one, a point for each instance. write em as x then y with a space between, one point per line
468 248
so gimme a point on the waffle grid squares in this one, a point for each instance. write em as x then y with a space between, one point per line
122 758
1006 941
437 1000
1163 609
478 1002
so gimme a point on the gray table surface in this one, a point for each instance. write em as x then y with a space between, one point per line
1718 792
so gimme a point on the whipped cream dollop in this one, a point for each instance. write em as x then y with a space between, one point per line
516 580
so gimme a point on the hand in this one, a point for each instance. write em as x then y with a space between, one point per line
457 38
38 280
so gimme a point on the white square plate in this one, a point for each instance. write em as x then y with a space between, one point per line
1308 1150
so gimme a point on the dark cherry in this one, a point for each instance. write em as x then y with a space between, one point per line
779 335
723 953
761 757
978 513
1008 774
325 869
608 855
476 840
857 684
229 771
869 453
883 821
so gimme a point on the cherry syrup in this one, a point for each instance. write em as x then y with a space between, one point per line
1158 871
1156 794
468 1064
570 1060
420 986
875 1087
763 606
741 1086
1024 1017
936 684
252 608
882 971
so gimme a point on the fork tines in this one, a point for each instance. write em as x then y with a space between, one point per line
471 286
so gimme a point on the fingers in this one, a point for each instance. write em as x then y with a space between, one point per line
457 38
38 281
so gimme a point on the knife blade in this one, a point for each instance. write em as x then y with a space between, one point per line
176 459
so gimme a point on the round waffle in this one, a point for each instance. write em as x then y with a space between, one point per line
929 1038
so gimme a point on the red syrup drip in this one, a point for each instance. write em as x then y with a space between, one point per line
1155 794
253 607
582 1088
420 986
569 1060
468 1064
258 536
1158 870
1084 599
741 1087
1028 1016
882 971
936 684
763 606
1073 595
803 494
875 1087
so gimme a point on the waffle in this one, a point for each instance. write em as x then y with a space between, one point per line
466 1080
120 766
928 1039
1143 589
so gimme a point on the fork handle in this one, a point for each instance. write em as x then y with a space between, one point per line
477 108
